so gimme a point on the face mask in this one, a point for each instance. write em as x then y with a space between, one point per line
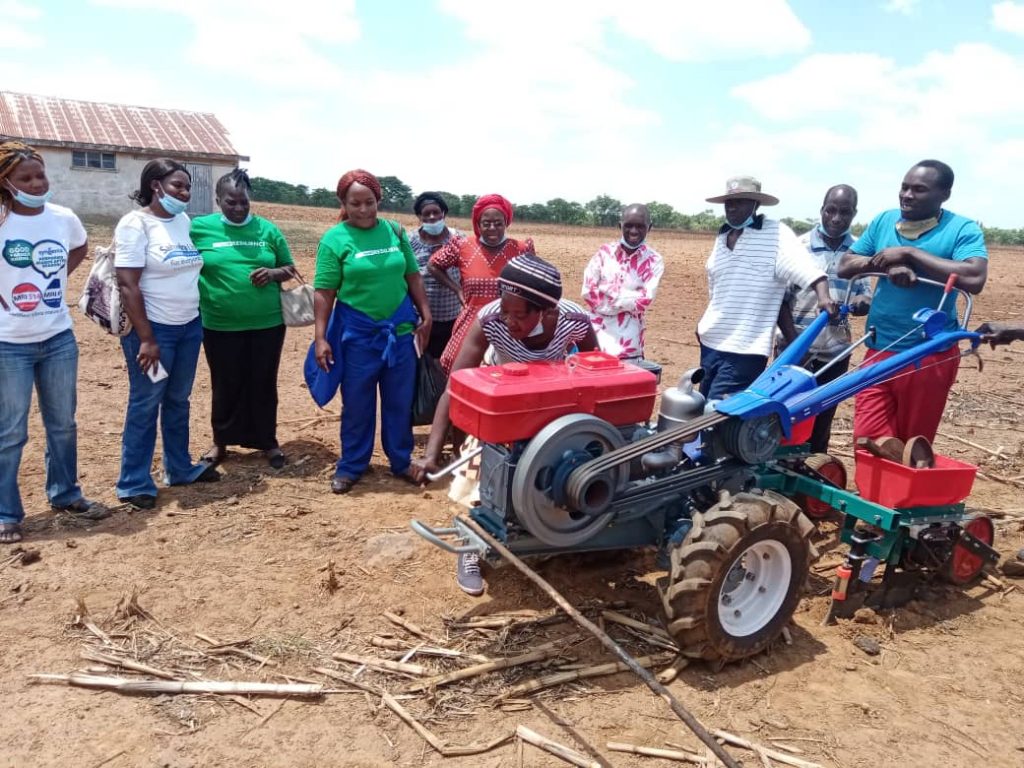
433 228
821 229
624 244
744 225
229 222
172 205
495 245
31 201
912 230
539 329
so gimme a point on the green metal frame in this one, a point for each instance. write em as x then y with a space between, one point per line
893 524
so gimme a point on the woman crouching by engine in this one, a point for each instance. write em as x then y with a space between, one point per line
531 322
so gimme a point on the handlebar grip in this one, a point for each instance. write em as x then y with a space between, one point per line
950 283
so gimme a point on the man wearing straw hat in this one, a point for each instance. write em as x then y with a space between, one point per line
754 261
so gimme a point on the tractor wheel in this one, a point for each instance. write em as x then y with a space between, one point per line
737 577
963 567
833 470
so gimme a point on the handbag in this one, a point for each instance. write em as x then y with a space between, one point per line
297 303
101 297
431 383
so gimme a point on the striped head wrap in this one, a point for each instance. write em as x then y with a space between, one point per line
533 279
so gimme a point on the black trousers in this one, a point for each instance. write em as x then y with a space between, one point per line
440 333
243 374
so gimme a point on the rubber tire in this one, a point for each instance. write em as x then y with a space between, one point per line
814 508
701 562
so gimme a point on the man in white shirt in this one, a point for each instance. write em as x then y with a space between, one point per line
754 261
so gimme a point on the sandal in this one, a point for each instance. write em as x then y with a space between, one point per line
84 509
342 484
10 533
214 456
409 476
275 457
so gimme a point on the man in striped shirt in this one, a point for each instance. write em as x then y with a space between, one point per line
827 243
754 261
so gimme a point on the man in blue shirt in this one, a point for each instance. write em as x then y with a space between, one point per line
920 239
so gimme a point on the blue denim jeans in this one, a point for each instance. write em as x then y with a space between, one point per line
52 367
168 400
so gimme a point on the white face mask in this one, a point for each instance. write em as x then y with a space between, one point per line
539 329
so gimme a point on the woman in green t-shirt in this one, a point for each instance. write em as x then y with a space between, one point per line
245 258
367 275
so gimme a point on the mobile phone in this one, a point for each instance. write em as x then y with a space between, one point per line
157 373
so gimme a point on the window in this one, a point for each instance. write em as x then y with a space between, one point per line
81 158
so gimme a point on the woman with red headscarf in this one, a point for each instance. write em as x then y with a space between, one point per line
479 260
367 275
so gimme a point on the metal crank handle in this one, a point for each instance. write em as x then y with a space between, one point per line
464 459
436 536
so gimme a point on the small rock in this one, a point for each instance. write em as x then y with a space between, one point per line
850 667
865 616
70 543
1020 555
389 548
1014 568
869 645
30 556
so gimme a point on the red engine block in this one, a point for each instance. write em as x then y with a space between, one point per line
505 403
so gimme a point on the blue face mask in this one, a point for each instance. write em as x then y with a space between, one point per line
433 228
494 245
229 222
172 205
31 201
624 244
744 225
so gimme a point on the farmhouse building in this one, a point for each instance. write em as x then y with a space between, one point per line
95 152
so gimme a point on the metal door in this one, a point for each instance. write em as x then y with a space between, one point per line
201 202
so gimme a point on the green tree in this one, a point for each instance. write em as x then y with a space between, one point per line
468 201
454 204
395 194
562 211
706 221
323 198
663 215
604 211
799 226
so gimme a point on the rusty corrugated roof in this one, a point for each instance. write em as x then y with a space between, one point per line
47 119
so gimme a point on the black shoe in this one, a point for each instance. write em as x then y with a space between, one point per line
209 475
342 484
140 501
85 509
275 458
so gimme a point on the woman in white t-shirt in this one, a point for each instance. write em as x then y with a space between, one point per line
40 244
158 273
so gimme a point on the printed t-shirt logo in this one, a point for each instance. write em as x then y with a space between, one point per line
376 252
180 255
18 253
26 297
48 257
53 296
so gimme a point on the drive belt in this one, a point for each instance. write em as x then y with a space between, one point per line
583 474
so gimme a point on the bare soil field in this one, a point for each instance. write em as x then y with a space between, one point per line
272 562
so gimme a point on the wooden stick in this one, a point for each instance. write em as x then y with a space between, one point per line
135 666
409 627
394 644
998 454
85 619
232 649
440 746
540 653
774 754
336 675
599 670
417 670
110 759
554 748
668 675
626 621
659 689
122 685
666 754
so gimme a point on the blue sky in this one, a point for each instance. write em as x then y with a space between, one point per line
645 100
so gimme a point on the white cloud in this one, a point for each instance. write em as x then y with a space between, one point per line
904 7
269 42
17 33
1009 17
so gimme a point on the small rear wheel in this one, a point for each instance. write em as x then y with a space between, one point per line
737 577
963 566
830 468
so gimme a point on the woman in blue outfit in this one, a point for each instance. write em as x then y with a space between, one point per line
367 265
158 273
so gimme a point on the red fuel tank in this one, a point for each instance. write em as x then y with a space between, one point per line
505 403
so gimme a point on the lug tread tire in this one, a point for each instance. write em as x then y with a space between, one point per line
700 564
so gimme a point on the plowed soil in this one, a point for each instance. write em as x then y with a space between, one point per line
271 560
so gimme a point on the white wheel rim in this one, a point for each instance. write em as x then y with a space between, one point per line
755 588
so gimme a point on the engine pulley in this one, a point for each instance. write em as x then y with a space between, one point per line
753 441
539 497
